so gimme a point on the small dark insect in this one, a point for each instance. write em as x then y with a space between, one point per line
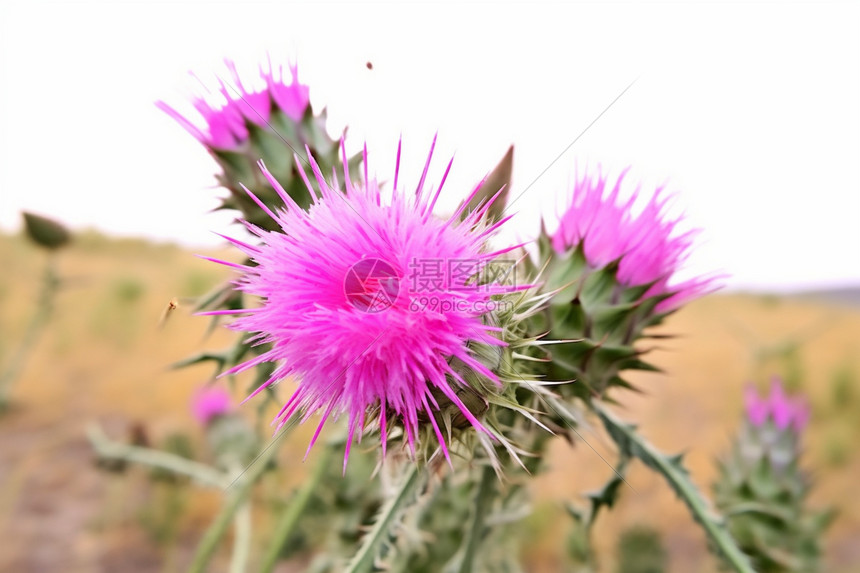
171 306
369 65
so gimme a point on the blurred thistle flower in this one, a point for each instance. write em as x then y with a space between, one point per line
266 118
762 489
227 112
782 411
645 247
209 403
369 301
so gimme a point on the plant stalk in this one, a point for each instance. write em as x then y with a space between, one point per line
290 517
364 559
106 448
241 538
237 494
44 310
483 499
631 443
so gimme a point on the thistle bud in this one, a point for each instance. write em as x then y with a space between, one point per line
762 491
271 124
230 437
45 232
610 275
209 403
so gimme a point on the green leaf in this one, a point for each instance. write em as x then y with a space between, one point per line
365 557
217 357
608 494
291 516
314 132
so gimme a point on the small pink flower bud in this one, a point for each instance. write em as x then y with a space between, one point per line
210 402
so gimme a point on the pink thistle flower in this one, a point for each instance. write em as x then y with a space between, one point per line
646 246
757 409
210 402
366 301
783 411
226 119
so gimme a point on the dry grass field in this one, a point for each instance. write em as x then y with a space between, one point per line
103 358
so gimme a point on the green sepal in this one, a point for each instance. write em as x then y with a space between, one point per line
279 145
498 179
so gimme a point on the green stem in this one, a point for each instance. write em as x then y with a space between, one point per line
366 555
50 286
235 500
241 539
290 517
106 448
483 498
631 443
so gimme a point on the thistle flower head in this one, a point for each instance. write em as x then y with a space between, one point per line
763 490
210 402
646 247
368 300
782 411
227 111
267 120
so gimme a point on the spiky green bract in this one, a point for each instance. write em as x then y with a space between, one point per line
595 321
763 492
514 393
275 144
519 411
614 274
497 179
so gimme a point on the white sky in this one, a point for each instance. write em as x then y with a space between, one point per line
750 112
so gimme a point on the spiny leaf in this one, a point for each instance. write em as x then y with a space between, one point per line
608 494
219 358
365 557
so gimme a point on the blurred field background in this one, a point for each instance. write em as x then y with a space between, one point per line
103 358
